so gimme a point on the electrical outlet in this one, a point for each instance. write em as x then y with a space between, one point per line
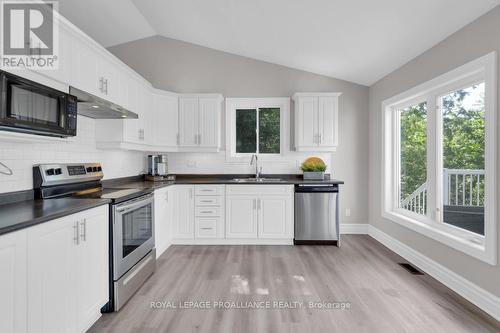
348 212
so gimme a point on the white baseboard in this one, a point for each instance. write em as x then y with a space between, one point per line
354 228
483 299
233 241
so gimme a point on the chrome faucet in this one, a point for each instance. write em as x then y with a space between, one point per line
257 170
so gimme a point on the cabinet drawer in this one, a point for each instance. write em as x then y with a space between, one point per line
208 211
209 189
202 201
206 227
262 189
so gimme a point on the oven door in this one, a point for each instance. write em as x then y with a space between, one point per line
133 233
27 106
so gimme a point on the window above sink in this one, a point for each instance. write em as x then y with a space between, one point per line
257 126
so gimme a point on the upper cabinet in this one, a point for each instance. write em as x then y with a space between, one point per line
199 122
316 121
166 115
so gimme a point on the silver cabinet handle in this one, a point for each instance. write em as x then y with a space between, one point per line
206 228
208 201
106 86
84 230
76 228
101 84
206 211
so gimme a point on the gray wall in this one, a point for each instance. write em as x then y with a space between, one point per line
186 68
477 39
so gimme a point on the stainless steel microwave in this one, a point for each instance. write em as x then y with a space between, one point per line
29 107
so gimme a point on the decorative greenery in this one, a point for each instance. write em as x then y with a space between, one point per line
313 164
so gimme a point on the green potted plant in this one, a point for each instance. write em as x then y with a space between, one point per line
313 168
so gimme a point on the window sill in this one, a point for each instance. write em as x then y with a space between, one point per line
459 240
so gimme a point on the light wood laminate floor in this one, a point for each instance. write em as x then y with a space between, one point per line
383 296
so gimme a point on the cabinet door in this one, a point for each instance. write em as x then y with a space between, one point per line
167 123
209 121
328 121
275 216
84 68
63 72
109 72
13 301
241 216
51 276
184 208
306 122
133 128
92 285
188 121
163 217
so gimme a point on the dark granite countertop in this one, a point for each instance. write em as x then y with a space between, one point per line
25 213
228 179
19 215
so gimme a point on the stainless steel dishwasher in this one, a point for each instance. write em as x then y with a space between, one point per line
317 214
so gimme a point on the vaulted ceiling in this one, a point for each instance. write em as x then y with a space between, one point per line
355 40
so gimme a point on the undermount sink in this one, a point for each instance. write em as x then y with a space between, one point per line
257 180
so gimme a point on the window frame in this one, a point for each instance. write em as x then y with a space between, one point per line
233 104
431 225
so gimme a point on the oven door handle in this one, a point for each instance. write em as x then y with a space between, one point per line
134 205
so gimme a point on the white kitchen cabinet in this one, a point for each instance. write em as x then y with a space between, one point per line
67 279
84 62
209 211
199 122
166 107
241 216
275 214
259 211
183 220
13 300
92 267
163 218
316 121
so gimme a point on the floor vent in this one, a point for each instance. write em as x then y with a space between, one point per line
410 268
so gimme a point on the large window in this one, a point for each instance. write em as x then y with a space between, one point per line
440 158
256 126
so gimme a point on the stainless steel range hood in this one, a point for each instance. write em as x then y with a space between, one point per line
95 107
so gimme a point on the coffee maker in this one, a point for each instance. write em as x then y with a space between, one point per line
157 168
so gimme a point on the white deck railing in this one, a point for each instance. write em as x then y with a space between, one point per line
417 201
463 187
460 188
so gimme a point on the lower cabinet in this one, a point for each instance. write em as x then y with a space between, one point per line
183 221
13 301
259 211
67 272
164 209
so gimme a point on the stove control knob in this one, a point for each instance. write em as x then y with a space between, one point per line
89 169
49 172
99 169
94 169
58 171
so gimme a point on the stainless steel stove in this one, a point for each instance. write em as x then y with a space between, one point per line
132 248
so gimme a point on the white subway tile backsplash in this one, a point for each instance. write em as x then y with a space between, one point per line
21 157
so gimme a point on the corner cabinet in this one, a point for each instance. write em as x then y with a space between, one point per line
200 122
316 121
